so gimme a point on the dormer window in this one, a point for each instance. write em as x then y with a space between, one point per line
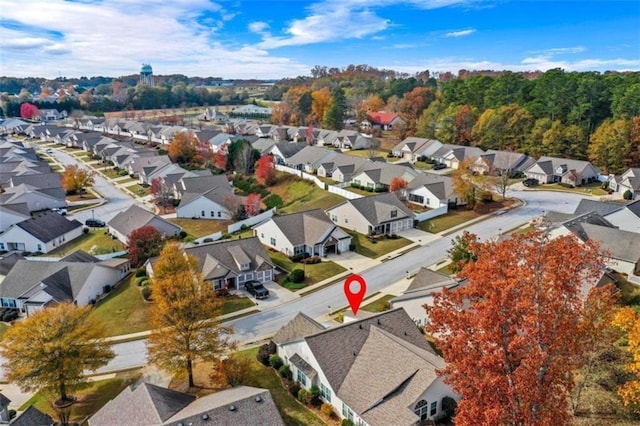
245 267
394 213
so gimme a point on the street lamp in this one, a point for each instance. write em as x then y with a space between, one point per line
92 214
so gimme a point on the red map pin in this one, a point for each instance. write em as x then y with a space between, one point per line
357 283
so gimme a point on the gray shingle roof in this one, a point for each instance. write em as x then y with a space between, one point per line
377 209
619 244
33 417
309 227
303 366
634 207
602 208
300 326
48 226
4 401
80 256
337 348
426 278
136 217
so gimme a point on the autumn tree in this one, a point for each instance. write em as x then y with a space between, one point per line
512 336
252 204
320 105
412 105
53 349
266 170
184 315
162 193
144 243
610 145
628 320
460 254
29 111
468 185
220 159
76 179
183 147
373 103
398 186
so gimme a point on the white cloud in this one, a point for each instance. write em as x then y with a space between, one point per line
258 27
461 33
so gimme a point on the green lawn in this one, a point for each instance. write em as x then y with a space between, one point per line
110 172
124 311
377 249
236 303
90 399
139 190
299 195
449 220
629 293
420 165
379 305
292 412
591 188
313 273
364 153
362 192
201 227
95 239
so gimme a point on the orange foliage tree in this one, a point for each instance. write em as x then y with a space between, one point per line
398 186
321 103
252 204
76 179
629 321
512 337
183 147
266 170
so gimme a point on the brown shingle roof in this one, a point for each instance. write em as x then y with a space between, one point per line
300 326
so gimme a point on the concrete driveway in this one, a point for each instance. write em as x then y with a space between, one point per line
277 296
352 261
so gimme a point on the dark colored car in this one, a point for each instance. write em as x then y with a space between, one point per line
530 182
439 166
256 289
95 223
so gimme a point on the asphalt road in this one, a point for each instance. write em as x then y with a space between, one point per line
254 327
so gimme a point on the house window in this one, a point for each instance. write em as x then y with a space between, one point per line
213 214
273 241
394 213
416 198
346 220
261 235
298 250
434 408
325 393
346 412
1 246
202 213
39 247
334 218
219 214
421 409
302 378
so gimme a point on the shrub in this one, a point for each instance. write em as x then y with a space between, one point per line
144 283
162 152
190 239
272 347
273 200
85 230
146 293
106 288
312 260
486 196
139 280
141 272
122 173
394 236
315 396
627 195
346 422
12 414
225 236
304 396
355 185
352 247
327 410
285 372
296 276
368 189
380 190
263 355
275 361
183 235
294 388
231 371
449 406
299 257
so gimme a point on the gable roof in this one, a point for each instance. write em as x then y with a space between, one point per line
308 227
48 226
337 348
440 186
80 256
602 208
136 217
143 405
300 326
381 117
619 244
32 417
426 278
4 401
634 207
377 209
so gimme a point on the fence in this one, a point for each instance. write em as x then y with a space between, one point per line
289 170
301 174
335 189
251 221
312 178
212 237
431 213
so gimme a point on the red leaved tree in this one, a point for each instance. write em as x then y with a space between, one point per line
29 111
398 186
162 194
183 148
512 337
266 170
220 159
252 204
144 243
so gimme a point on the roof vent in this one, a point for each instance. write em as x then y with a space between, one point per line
258 398
378 321
354 353
232 408
205 417
360 326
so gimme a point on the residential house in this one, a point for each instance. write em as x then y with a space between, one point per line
13 126
413 148
150 163
627 217
309 232
212 114
251 110
282 151
229 264
350 139
4 409
431 190
161 169
453 155
32 416
378 175
135 217
12 214
32 285
204 197
500 162
35 199
382 120
145 404
40 234
378 214
340 167
45 183
420 292
627 181
52 115
326 137
309 158
264 130
571 172
405 388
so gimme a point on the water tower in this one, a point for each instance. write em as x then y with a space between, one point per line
146 75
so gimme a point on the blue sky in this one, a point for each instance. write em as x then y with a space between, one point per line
274 39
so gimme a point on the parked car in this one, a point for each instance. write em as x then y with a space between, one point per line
439 166
95 223
49 150
62 212
530 182
256 289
